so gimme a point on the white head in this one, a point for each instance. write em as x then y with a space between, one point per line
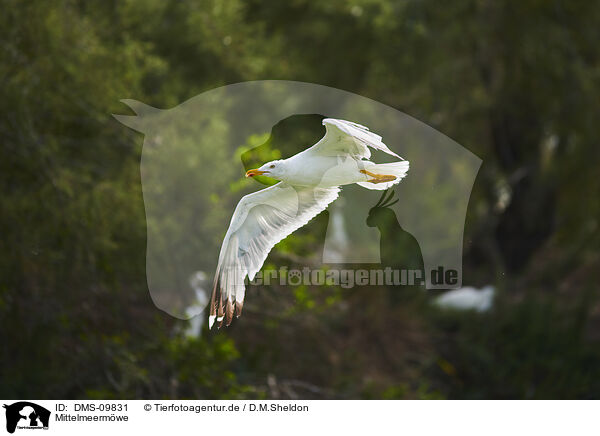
275 169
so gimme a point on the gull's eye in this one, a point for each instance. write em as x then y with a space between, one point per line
272 166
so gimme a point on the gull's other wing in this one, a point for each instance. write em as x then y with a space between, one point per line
346 137
260 221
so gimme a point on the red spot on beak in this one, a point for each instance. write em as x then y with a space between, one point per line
254 172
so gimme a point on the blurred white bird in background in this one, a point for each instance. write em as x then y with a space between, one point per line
467 298
199 282
309 182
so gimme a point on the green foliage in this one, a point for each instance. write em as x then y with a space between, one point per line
534 349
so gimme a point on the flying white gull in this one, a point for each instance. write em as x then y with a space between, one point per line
309 182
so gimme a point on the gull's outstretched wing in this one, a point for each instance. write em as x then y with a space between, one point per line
260 221
346 137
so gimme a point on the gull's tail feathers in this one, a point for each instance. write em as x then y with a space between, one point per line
396 169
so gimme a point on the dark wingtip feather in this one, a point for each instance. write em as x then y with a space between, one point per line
222 311
213 302
230 308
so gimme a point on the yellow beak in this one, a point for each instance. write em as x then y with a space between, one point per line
254 172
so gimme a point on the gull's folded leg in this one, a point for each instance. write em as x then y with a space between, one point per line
378 178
